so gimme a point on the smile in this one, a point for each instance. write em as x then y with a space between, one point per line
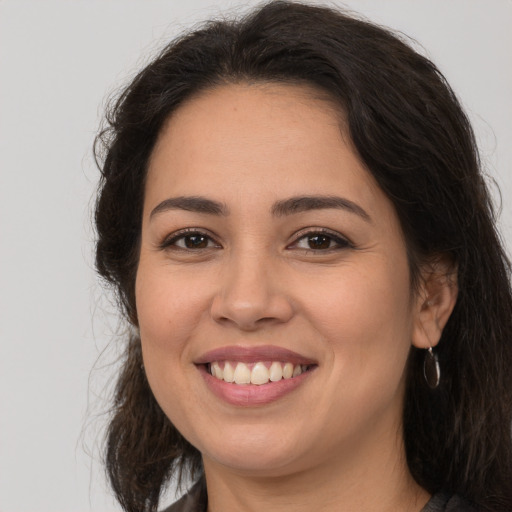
253 376
259 373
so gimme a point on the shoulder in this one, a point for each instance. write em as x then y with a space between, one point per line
444 502
194 501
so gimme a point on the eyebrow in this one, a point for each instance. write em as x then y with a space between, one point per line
281 208
304 203
191 204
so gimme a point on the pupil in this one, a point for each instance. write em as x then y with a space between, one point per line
196 242
319 242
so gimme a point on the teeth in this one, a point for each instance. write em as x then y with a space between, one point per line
217 371
276 371
297 371
229 373
287 371
258 375
242 374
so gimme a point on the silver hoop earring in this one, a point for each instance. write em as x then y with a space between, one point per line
431 369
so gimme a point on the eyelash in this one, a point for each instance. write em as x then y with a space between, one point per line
329 236
171 242
333 237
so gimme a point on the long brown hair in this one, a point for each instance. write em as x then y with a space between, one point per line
410 131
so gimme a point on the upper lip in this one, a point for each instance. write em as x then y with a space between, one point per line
253 354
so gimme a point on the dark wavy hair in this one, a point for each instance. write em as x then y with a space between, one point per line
408 128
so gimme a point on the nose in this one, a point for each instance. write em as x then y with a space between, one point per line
250 295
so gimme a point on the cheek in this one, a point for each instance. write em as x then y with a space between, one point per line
374 298
169 307
169 310
365 320
366 326
168 313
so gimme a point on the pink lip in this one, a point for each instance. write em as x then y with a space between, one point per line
253 355
250 395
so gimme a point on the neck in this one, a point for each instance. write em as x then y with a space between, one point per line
376 480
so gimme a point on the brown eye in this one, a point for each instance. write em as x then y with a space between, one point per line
195 241
190 241
319 242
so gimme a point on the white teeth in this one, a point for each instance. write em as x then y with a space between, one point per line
260 374
297 371
287 371
217 371
229 373
276 371
242 374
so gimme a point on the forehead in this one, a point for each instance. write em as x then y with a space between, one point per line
252 112
275 139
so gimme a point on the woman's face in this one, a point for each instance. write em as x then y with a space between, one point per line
268 250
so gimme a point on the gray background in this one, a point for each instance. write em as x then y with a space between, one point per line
58 62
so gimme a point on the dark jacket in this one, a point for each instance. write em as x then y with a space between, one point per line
196 500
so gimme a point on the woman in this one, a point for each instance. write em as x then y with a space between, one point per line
292 215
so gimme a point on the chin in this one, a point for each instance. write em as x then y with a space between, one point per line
253 452
255 464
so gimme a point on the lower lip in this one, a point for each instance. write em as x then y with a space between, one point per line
251 395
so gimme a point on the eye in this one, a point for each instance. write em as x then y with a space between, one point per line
320 240
189 241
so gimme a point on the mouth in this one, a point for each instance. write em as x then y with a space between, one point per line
258 374
251 376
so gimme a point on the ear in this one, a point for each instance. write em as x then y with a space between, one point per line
435 301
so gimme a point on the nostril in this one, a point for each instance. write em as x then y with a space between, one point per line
250 313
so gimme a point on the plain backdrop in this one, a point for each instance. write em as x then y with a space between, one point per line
59 60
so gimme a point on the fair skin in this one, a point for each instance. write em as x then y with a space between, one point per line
239 269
